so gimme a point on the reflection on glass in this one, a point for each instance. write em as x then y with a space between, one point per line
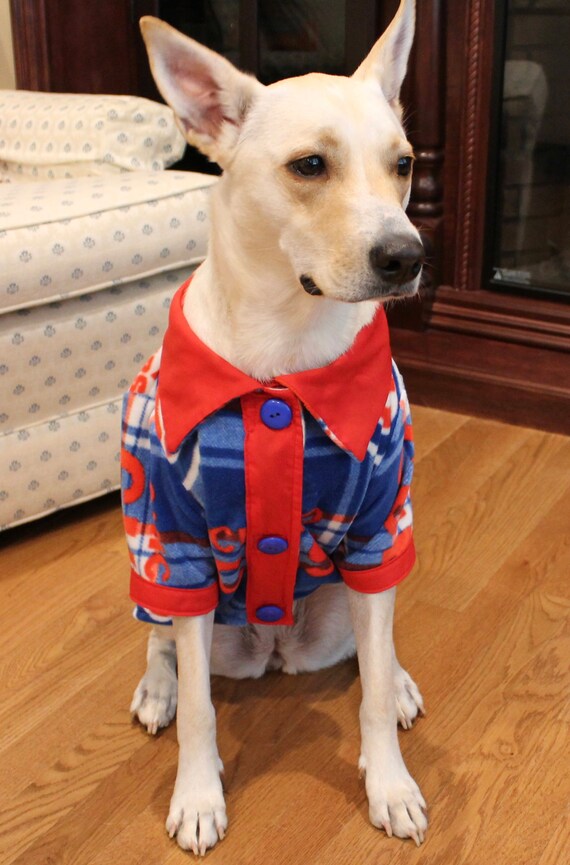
295 36
533 247
300 36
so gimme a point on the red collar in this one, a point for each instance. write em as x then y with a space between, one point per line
349 394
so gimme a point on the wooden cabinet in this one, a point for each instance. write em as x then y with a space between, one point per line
467 347
462 345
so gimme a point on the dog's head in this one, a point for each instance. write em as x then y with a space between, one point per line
318 166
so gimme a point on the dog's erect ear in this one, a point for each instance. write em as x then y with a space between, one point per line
209 96
388 59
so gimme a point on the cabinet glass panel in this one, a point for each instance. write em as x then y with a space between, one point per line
300 36
293 37
532 230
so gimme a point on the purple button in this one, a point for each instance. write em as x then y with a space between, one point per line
272 545
269 613
276 414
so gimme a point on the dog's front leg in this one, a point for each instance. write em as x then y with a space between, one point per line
197 810
395 801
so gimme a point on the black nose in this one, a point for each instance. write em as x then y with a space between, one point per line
399 260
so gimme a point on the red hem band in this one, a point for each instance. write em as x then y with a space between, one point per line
383 577
172 601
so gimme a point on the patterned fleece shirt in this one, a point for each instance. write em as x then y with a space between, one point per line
243 496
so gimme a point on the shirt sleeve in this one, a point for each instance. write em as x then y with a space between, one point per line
173 572
379 547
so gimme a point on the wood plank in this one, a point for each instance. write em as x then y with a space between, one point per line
432 428
489 485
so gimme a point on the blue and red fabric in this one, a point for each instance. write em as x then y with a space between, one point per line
241 496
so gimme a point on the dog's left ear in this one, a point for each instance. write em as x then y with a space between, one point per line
388 59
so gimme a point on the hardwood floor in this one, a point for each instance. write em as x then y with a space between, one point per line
481 625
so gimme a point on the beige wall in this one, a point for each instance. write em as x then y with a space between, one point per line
7 77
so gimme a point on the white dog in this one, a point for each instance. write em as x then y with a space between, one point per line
279 347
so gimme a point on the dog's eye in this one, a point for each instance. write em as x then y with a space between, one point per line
404 165
309 166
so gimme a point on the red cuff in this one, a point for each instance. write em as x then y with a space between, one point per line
383 577
170 601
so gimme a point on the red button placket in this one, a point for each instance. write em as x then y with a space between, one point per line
274 491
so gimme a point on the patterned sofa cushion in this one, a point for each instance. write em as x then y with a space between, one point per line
59 463
45 135
67 355
62 238
63 369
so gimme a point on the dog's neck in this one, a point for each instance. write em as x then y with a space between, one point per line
246 304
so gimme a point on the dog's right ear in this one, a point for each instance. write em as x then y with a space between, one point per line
209 96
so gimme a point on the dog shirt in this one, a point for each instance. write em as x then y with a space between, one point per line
241 496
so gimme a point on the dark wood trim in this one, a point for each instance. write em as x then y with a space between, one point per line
424 86
509 318
521 384
73 46
30 40
469 62
427 131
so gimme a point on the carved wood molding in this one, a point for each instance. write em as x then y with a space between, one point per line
474 52
508 318
467 372
427 186
475 123
424 91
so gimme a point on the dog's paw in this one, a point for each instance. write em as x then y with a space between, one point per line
396 803
198 812
154 701
409 701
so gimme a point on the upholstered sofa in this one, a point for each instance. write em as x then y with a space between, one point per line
95 236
